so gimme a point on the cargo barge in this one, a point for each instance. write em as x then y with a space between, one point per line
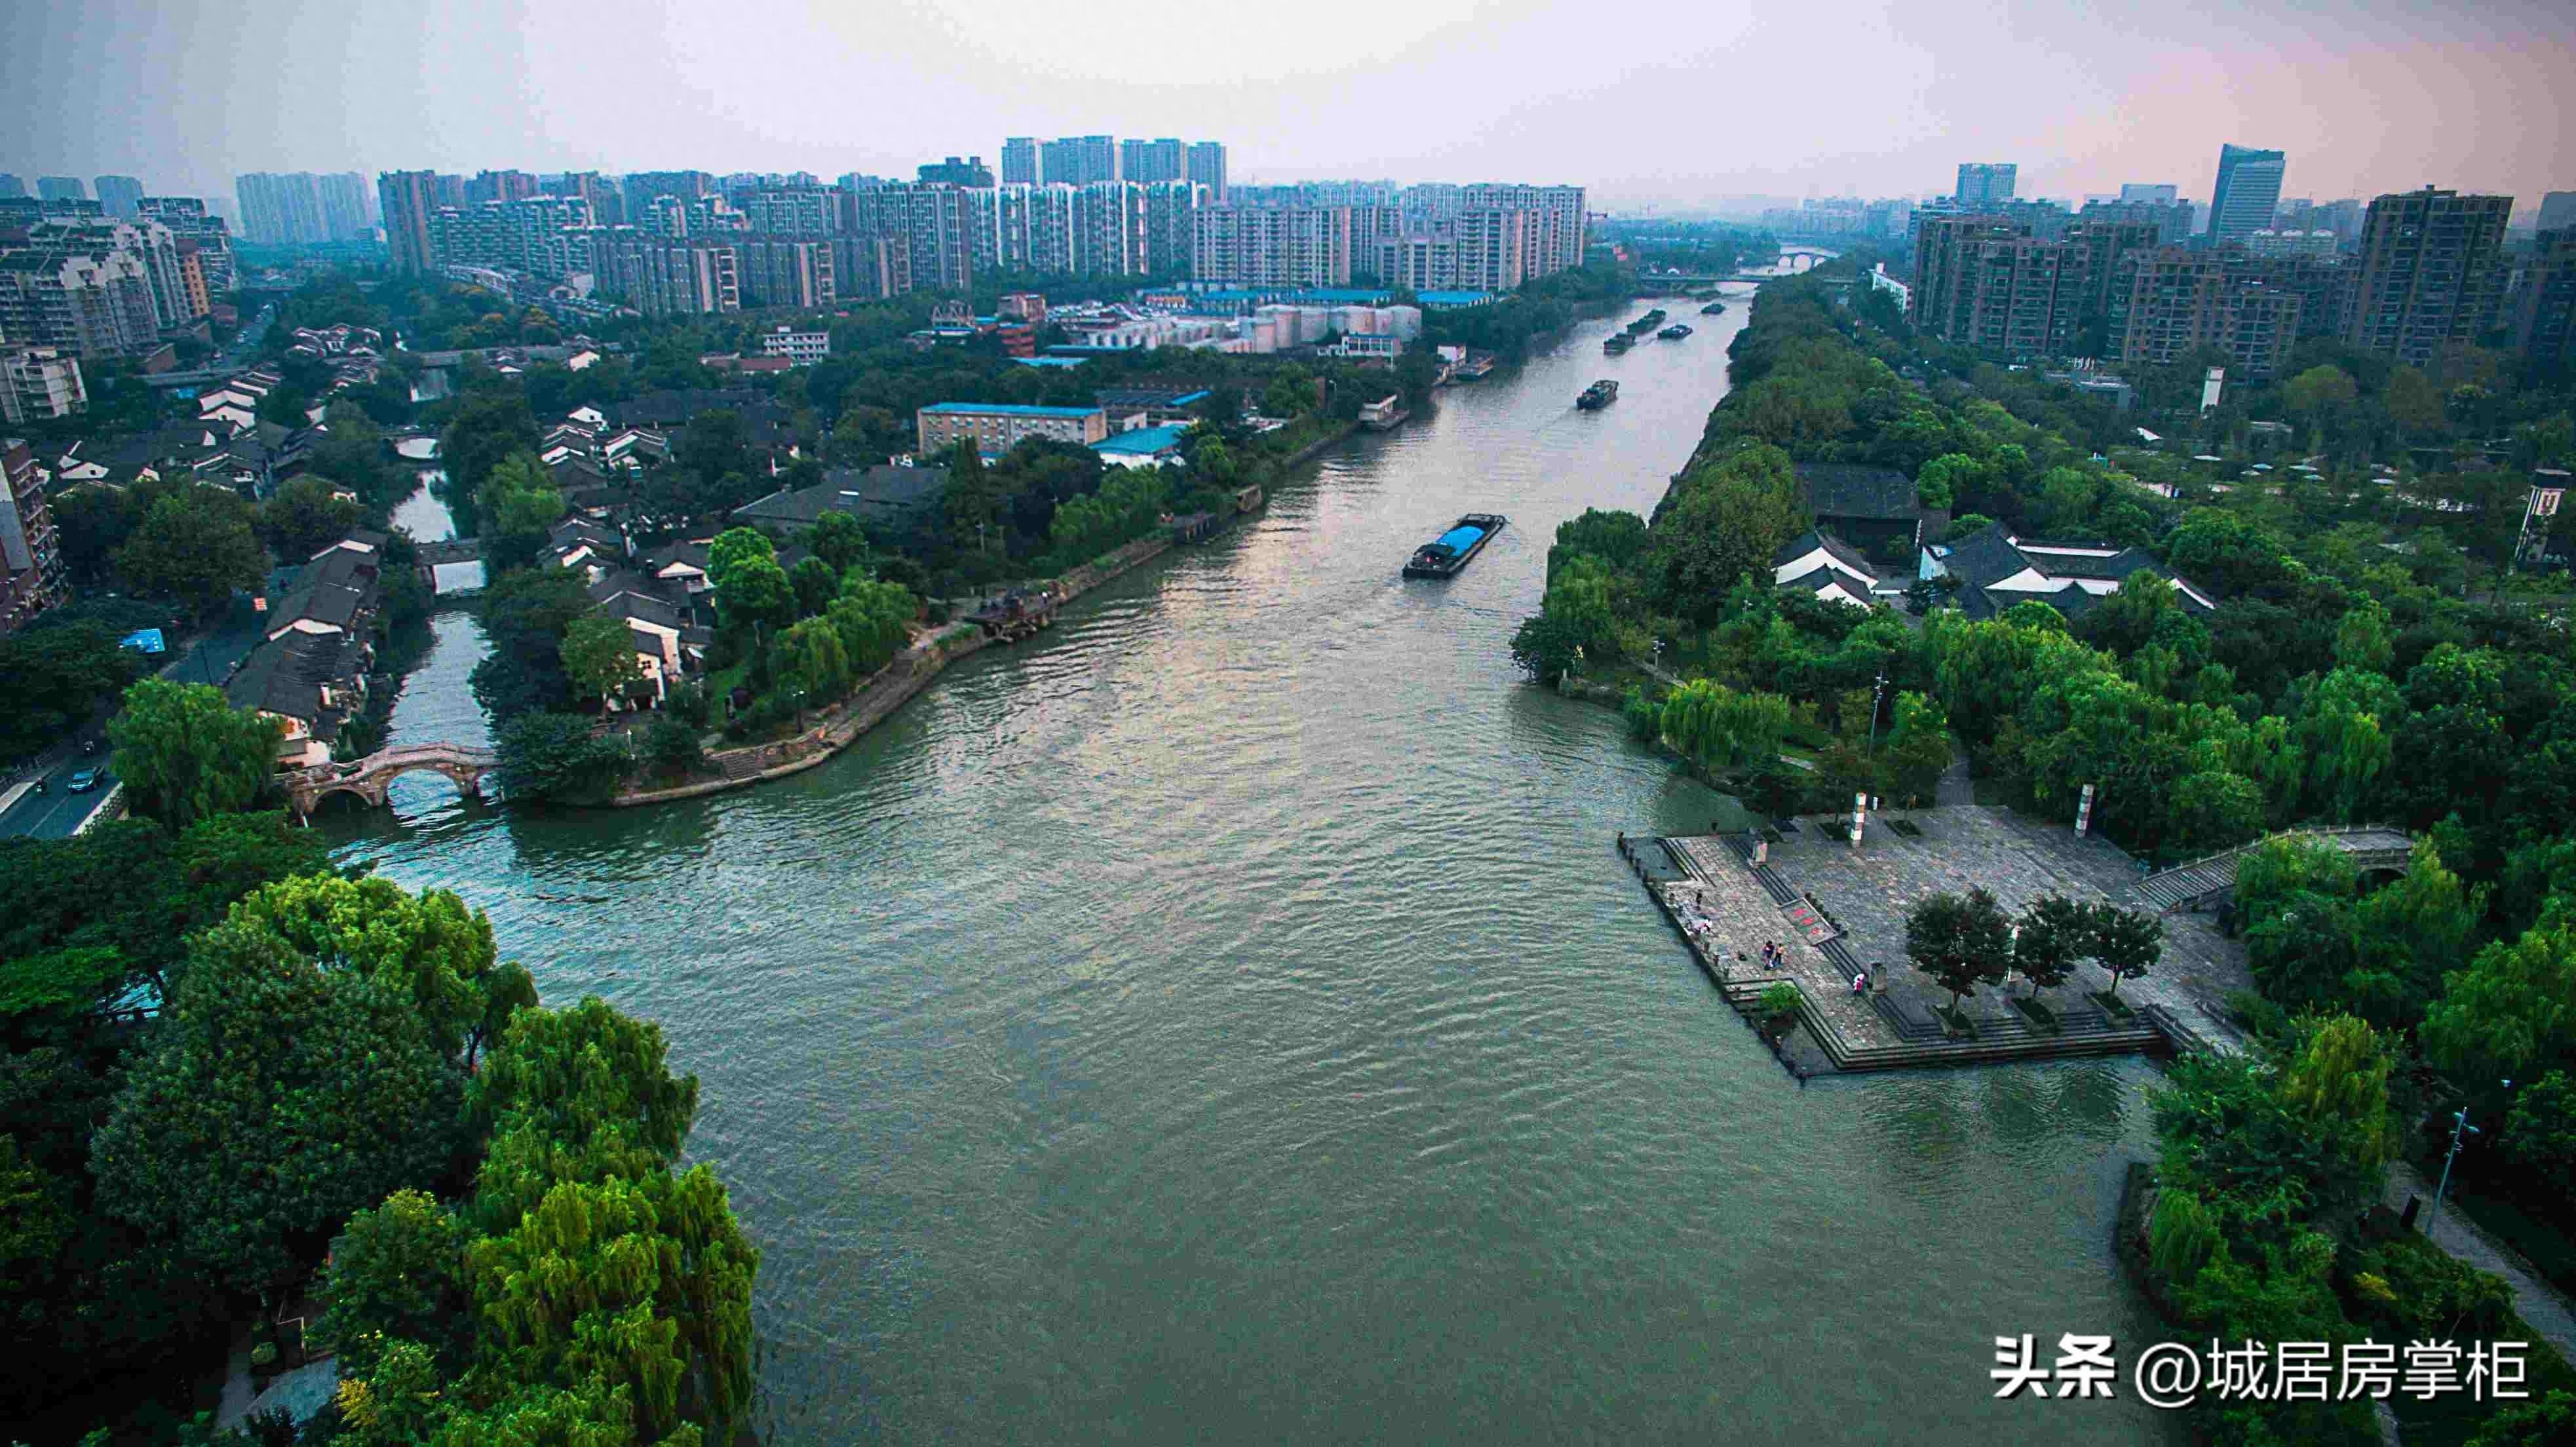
1619 345
1646 323
1599 395
1444 555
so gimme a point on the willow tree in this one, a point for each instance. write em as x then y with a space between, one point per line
186 754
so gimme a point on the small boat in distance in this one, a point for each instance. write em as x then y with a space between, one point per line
1712 309
1599 395
1674 333
1444 555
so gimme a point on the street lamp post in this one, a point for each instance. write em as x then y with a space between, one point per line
2459 1127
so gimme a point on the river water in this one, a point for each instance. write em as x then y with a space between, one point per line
1227 1019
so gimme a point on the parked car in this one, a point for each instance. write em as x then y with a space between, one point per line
84 780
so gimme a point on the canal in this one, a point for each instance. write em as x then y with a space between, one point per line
1227 1019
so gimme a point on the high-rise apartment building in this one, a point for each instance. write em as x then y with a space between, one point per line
280 208
868 268
789 210
998 229
2249 190
13 187
956 171
345 213
1078 160
1206 167
32 576
2343 218
1054 221
659 276
2172 219
79 293
1020 161
785 271
117 195
407 199
2176 301
1272 246
61 188
523 235
1986 184
1146 162
2544 320
641 187
499 186
2557 211
1987 283
1171 226
2429 275
1109 229
190 223
40 384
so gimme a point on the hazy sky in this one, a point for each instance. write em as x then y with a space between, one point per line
1651 103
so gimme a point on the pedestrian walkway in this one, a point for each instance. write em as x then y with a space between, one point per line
2542 1305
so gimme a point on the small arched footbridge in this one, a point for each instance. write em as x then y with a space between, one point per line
2208 883
368 777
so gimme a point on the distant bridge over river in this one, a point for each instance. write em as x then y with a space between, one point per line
368 777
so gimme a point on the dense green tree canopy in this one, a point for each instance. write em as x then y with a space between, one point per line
186 754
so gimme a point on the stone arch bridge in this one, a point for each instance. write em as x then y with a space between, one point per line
368 777
2205 884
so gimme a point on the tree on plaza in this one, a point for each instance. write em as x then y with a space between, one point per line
1917 749
2126 943
599 655
195 547
186 754
2054 932
1961 941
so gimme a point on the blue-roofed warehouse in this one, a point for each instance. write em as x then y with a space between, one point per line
1142 447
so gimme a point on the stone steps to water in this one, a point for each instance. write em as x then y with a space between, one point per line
1924 1043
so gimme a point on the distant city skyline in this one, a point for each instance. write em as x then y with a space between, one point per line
1725 108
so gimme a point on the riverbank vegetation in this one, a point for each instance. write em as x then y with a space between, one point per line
233 1078
2367 662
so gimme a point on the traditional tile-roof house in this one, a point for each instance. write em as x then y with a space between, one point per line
881 496
308 684
1825 567
1995 570
1873 509
578 541
335 594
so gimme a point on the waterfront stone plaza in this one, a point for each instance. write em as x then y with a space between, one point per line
1728 907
